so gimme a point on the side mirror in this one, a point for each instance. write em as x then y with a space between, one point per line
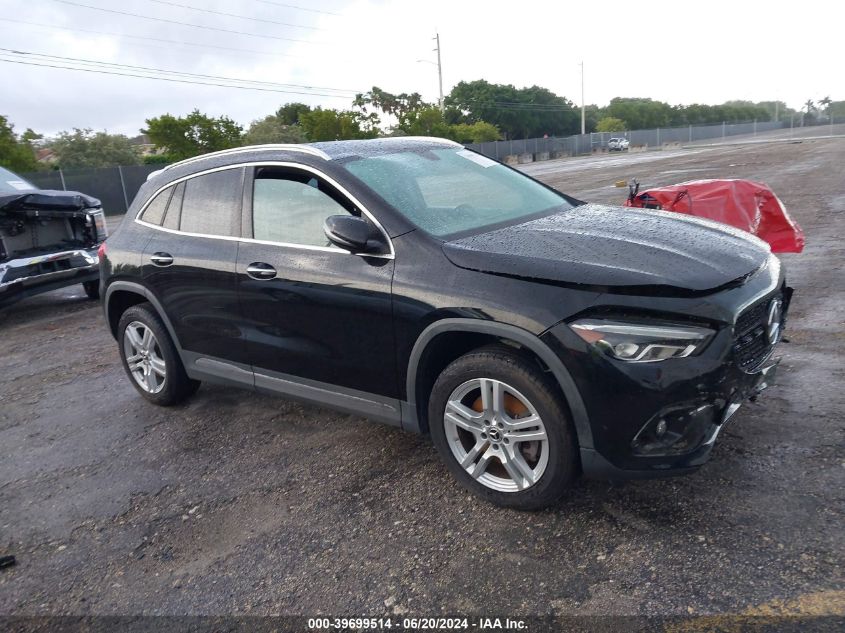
352 233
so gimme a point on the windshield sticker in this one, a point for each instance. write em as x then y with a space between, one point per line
20 185
477 158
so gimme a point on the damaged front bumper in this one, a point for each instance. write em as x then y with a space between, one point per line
688 433
26 276
663 418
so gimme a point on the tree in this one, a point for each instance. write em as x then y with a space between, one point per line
640 114
611 124
272 129
427 121
335 125
517 112
86 148
16 153
826 103
195 134
388 103
478 132
289 113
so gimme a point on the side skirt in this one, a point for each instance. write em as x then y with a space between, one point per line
372 406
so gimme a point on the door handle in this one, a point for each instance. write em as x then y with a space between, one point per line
261 271
161 259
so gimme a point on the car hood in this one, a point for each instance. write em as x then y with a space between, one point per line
47 199
615 248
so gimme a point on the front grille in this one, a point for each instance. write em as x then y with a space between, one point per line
751 343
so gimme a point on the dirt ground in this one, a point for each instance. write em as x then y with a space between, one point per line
237 503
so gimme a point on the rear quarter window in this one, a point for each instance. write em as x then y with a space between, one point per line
154 213
212 203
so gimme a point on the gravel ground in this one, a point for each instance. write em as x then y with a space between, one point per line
237 503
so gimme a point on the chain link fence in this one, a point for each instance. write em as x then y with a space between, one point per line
597 141
114 186
117 186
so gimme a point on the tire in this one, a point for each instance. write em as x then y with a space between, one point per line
552 463
92 289
152 356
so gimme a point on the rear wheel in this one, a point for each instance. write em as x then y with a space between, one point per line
150 358
92 289
501 428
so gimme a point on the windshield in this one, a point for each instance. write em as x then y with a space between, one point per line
448 191
10 183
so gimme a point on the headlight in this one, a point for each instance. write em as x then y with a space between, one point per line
638 343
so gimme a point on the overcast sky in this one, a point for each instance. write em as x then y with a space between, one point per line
665 50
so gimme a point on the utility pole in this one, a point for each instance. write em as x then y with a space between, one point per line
583 106
439 73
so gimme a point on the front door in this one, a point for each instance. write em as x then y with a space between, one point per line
311 310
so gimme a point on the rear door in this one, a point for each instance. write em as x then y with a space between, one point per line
311 310
189 263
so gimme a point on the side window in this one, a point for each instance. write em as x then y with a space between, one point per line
211 204
290 207
154 213
174 209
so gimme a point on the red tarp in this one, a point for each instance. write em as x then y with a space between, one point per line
747 205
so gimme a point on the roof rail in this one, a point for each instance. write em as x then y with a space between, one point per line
290 147
430 139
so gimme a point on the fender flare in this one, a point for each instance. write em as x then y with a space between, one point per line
525 338
140 289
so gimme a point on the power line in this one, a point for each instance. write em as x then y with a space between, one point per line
293 6
195 26
102 71
114 65
150 39
235 15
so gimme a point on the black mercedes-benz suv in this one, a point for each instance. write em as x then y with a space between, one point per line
418 283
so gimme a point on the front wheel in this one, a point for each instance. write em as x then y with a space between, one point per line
501 427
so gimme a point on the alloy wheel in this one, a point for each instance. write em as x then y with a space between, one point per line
143 357
496 435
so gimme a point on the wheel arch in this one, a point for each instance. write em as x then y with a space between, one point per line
460 335
121 295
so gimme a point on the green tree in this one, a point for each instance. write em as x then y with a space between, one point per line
271 129
336 125
156 159
640 114
388 103
192 135
16 153
478 132
427 121
289 113
826 103
86 148
516 112
611 124
837 109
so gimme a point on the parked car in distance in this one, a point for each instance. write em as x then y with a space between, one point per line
532 335
48 239
618 144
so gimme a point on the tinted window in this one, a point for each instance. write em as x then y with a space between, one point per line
174 209
212 203
291 208
446 191
154 213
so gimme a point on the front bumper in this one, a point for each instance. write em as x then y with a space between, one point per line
26 276
595 465
662 419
